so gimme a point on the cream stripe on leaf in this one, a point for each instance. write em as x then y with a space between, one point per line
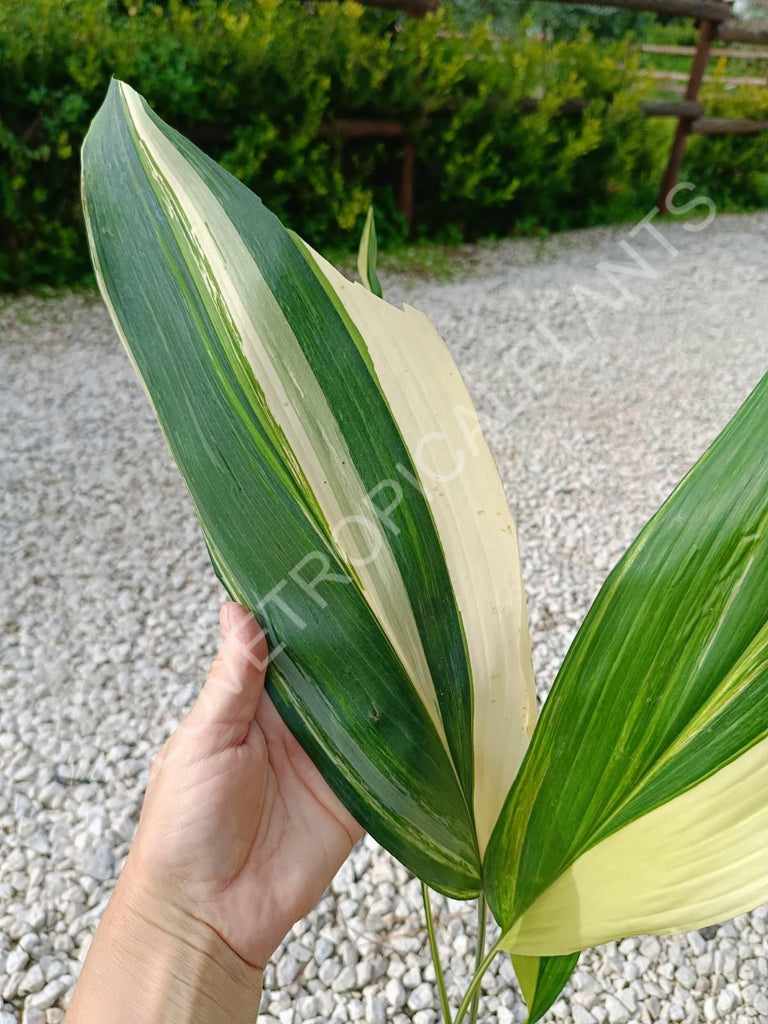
279 428
642 803
435 414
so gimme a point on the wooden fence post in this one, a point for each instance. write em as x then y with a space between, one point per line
405 202
677 152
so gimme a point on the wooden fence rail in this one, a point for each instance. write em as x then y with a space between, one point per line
681 76
755 32
728 53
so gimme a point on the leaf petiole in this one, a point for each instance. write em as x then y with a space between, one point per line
435 955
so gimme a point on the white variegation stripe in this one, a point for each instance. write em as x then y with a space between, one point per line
438 422
251 316
698 859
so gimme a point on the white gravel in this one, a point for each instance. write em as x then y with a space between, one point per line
109 606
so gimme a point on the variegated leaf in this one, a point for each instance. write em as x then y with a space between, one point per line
343 488
642 805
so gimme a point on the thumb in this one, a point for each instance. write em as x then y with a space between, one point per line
222 714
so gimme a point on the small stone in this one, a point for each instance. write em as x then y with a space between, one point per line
16 960
710 1009
710 932
581 1015
704 964
650 947
355 1008
583 981
395 993
686 977
329 969
424 1017
100 865
16 860
345 981
307 1007
617 1011
324 950
760 1003
11 986
375 1010
300 952
698 943
49 995
33 980
412 977
55 969
363 974
348 954
286 970
405 943
726 1002
31 1015
653 1005
421 997
395 967
29 941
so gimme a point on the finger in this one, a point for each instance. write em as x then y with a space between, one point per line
222 714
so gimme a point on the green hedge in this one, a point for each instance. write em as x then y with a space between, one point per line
252 83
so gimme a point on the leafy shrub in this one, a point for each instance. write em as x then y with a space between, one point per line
252 84
732 169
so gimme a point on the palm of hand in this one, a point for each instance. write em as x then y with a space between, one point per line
244 831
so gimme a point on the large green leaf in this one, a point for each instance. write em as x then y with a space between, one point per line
642 804
343 488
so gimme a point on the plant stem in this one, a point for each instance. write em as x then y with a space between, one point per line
435 955
474 985
482 913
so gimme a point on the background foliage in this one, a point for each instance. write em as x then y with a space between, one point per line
251 82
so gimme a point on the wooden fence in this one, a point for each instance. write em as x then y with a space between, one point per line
715 24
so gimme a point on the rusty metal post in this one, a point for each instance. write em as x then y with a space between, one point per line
677 152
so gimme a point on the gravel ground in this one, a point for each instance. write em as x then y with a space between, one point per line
594 410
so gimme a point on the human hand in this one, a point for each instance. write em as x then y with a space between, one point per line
239 828
238 837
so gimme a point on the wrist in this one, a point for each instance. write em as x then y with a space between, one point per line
153 961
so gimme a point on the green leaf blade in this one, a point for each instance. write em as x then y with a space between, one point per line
657 721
